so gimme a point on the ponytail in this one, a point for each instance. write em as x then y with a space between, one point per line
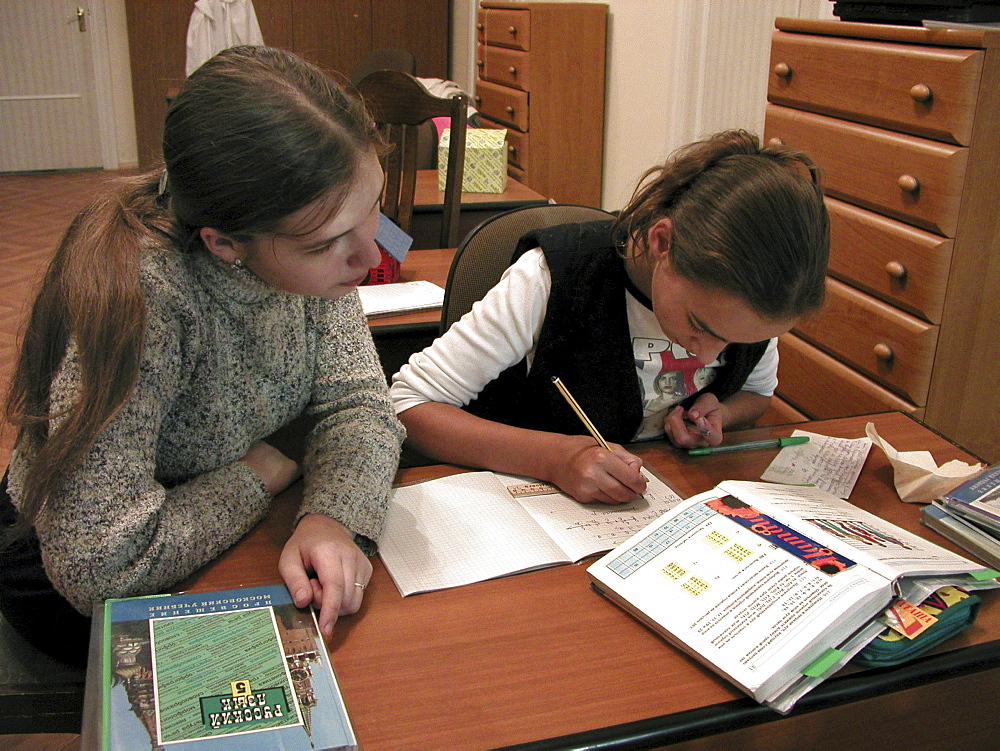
90 295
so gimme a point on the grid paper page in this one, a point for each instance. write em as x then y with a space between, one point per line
457 530
583 529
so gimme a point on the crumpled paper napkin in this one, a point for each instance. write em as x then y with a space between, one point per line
917 477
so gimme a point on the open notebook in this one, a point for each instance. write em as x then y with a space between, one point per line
475 526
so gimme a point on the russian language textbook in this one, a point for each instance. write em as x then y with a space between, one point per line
774 587
235 670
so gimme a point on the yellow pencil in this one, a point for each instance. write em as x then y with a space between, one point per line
592 429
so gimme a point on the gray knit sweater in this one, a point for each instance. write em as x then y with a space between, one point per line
227 361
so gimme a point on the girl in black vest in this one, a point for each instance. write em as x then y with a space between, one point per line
662 323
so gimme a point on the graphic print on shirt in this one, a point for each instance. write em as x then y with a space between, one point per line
668 373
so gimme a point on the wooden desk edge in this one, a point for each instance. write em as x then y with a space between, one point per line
670 729
973 654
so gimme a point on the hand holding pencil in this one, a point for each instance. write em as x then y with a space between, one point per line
698 425
613 472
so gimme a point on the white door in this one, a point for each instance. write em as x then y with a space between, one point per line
48 111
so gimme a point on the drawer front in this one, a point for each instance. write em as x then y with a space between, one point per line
888 345
505 28
517 143
822 387
896 262
927 91
909 178
518 174
503 104
517 148
505 66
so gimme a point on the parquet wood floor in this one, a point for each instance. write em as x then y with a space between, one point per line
35 209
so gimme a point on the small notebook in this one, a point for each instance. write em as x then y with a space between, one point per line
400 297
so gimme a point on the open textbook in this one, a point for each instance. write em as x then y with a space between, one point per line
475 526
774 587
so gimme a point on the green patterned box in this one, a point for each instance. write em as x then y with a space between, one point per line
485 160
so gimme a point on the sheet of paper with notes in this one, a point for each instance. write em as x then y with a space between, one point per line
475 526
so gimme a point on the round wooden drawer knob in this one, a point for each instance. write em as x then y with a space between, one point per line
479 100
909 183
883 352
896 270
783 70
480 63
510 111
921 92
512 70
512 150
513 31
775 141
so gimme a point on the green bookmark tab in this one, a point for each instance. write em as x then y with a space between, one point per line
985 575
825 661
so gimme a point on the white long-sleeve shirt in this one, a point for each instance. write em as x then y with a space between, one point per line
503 328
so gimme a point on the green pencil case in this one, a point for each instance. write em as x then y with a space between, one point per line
955 610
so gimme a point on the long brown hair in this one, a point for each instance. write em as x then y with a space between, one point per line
748 220
253 135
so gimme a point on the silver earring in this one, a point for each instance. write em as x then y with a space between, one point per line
238 265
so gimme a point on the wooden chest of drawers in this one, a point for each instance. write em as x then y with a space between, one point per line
905 124
541 76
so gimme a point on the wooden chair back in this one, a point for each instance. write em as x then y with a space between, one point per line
399 103
385 58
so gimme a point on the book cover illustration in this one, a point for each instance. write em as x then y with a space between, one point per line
978 499
241 669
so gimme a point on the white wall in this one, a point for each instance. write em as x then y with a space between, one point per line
677 70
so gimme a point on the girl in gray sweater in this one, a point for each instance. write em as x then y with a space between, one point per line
186 316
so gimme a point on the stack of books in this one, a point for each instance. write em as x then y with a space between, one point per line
969 516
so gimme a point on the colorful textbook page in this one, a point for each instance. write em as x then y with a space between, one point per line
774 587
242 669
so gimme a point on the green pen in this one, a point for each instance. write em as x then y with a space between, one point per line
770 443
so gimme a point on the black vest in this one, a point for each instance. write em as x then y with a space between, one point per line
585 341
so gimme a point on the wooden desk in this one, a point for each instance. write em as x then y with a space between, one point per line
541 659
476 207
431 265
398 337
